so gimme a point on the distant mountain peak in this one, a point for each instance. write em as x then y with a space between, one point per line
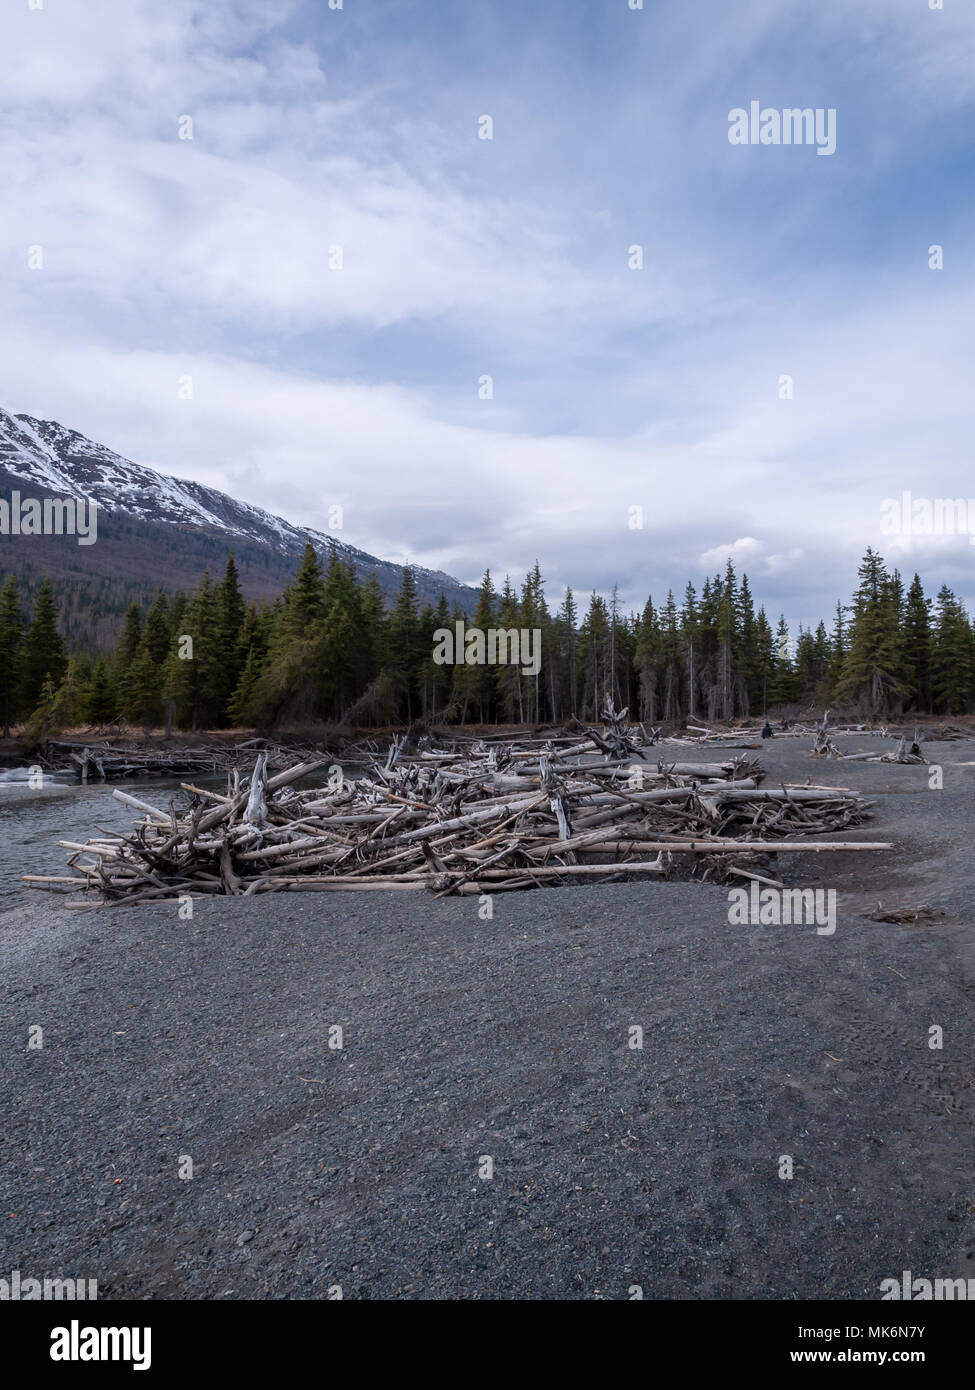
166 516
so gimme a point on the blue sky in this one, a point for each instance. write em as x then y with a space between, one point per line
613 388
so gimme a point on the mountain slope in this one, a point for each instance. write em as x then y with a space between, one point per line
153 529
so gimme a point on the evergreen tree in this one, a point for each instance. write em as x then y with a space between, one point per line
99 704
304 598
821 659
372 618
567 638
595 645
783 683
535 620
11 637
746 682
918 647
143 699
509 686
242 701
837 653
42 653
475 683
646 659
339 640
229 613
869 675
953 656
764 660
728 642
129 639
58 707
156 636
403 655
691 654
191 678
252 648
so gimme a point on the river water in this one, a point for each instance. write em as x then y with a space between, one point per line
33 819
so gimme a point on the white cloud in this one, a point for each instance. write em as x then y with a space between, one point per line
740 552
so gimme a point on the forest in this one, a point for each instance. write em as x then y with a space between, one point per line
330 650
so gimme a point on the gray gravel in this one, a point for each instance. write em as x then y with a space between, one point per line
613 1167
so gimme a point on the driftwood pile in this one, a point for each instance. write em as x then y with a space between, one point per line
697 734
480 818
903 752
102 762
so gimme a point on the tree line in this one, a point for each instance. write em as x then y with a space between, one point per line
329 649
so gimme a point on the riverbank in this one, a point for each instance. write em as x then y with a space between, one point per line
508 1038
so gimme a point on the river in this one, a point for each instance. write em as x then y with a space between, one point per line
34 819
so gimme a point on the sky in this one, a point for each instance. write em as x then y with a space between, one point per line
189 310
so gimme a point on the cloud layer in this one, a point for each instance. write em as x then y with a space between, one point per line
215 259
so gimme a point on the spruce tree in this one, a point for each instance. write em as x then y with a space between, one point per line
783 683
228 621
304 601
535 619
372 616
191 677
241 708
435 678
690 627
917 647
43 654
646 660
338 651
953 656
252 650
126 651
11 637
837 652
156 635
509 690
568 637
764 661
869 675
99 703
480 680
594 642
402 656
143 701
746 675
728 641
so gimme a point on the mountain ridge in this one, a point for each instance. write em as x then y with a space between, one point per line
155 529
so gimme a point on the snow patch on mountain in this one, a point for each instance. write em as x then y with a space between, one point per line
53 459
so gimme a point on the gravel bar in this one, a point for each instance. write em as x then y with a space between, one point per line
361 1167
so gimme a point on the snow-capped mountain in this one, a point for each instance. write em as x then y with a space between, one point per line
154 529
